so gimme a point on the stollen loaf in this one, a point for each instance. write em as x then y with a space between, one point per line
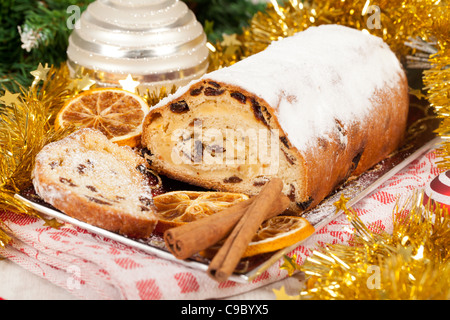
313 109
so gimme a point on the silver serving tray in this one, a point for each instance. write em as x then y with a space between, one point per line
251 267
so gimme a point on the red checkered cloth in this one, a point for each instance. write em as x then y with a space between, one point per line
95 267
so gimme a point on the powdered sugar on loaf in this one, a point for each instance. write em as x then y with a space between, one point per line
302 101
327 85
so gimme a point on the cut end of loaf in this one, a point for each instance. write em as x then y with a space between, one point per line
222 138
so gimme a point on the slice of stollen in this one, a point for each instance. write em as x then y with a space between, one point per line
92 179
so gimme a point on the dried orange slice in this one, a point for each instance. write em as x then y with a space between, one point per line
274 234
179 207
277 233
115 112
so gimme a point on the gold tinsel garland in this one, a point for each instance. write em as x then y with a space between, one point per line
25 127
27 124
436 79
395 21
412 263
409 261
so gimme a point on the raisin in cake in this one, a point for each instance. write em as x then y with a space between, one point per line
329 103
96 181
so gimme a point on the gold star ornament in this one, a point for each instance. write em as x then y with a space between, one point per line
53 223
231 43
230 40
417 93
290 265
129 84
40 73
10 98
85 83
282 295
341 204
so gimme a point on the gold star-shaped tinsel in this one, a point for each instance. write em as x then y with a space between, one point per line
418 94
40 73
10 98
231 43
412 263
73 84
53 223
85 83
80 84
282 295
129 84
341 204
23 133
230 40
290 265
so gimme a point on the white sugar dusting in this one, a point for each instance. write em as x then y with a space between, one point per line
92 170
315 77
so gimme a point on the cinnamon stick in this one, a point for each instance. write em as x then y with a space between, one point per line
193 237
198 235
228 256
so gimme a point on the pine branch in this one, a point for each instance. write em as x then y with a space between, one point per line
224 16
44 21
